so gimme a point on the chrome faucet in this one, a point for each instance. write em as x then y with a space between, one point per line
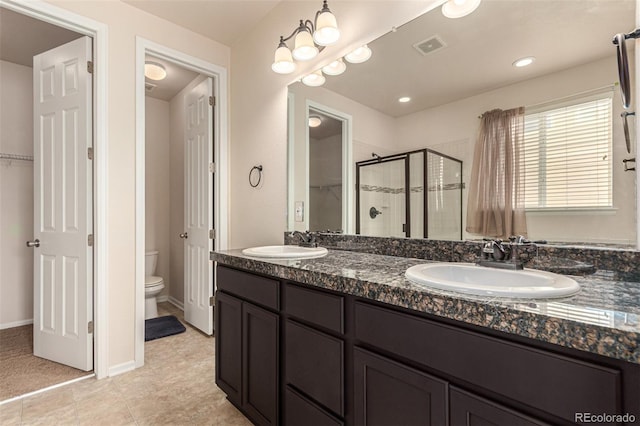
307 239
496 254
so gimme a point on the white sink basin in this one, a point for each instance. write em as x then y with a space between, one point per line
285 252
469 278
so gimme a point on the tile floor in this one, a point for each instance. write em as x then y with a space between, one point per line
175 387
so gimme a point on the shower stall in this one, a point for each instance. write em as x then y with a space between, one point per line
416 194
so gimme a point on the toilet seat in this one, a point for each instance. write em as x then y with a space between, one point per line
151 281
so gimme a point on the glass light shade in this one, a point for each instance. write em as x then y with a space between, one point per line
304 49
283 62
327 32
315 121
314 79
360 55
336 67
154 71
459 8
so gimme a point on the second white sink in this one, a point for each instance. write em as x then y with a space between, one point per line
469 278
285 252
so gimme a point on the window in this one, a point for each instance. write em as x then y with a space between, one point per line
567 154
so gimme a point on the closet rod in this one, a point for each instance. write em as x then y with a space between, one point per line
16 157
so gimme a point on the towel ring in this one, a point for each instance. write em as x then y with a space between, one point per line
251 180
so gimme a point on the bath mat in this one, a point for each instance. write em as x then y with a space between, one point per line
156 328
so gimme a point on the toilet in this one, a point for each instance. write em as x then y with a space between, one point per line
153 285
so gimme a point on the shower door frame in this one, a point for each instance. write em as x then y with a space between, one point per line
425 182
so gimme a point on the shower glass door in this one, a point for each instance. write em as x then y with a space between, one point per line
444 197
383 198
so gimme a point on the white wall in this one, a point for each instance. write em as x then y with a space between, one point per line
16 195
124 24
452 129
157 186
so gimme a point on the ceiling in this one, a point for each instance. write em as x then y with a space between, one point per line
176 80
222 20
480 49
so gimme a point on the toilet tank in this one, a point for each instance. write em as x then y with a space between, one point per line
150 262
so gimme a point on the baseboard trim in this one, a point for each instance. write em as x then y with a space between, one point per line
164 298
125 367
16 324
175 302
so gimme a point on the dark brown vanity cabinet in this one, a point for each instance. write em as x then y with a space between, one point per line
292 354
247 344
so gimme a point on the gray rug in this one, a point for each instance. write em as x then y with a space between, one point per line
155 328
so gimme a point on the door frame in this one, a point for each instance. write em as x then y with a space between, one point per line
221 155
99 34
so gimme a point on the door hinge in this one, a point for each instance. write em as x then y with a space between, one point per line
212 234
212 100
90 240
90 327
212 167
212 301
90 67
90 153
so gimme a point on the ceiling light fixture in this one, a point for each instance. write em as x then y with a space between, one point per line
154 71
359 55
523 62
315 121
404 99
336 67
314 79
310 39
459 8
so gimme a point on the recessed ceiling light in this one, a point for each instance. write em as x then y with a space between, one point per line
315 121
459 8
154 71
523 62
404 99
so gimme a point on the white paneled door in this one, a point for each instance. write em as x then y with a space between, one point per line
198 236
63 252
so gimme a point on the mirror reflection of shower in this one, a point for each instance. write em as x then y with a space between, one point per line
395 185
325 171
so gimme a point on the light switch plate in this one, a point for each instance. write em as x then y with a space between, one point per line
299 211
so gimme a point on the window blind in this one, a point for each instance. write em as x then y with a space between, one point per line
567 160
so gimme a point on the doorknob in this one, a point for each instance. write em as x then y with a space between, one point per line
184 235
34 243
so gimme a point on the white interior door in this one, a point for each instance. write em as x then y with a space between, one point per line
198 269
63 257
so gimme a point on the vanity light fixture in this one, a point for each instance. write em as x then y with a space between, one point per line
359 55
310 39
459 8
336 67
404 99
523 62
314 79
154 71
315 121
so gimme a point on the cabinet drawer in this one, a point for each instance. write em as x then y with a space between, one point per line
299 411
322 309
550 382
315 366
468 409
261 290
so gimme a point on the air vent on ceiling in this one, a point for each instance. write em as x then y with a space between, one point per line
430 45
148 87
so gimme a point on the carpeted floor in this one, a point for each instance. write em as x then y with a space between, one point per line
22 372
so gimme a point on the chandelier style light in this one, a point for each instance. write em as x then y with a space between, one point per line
310 39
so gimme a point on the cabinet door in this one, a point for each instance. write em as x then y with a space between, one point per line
389 393
260 364
228 337
468 409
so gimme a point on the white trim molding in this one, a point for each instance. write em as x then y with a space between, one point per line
125 367
99 33
16 324
221 154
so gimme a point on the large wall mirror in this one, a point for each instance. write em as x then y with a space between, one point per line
454 70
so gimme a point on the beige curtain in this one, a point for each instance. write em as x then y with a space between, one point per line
496 198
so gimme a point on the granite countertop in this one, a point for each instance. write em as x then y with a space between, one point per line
604 318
